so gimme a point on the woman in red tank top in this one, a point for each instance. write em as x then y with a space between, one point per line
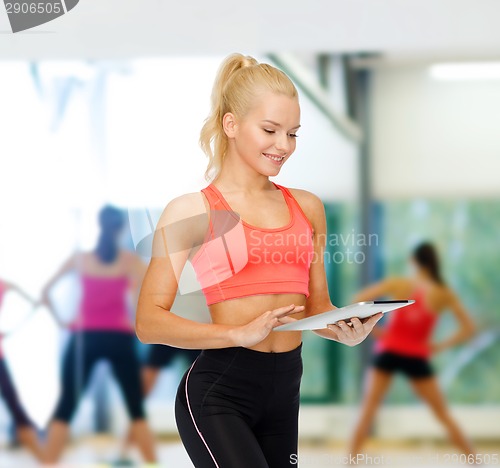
405 343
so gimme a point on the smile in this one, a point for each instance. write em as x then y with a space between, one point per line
273 157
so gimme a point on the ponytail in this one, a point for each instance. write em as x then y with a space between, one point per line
239 80
426 257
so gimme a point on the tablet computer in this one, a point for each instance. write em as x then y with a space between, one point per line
360 310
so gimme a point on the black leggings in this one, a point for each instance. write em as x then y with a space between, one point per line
85 349
162 355
9 394
236 407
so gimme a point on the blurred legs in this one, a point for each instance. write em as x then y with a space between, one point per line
29 438
376 386
56 440
149 377
428 390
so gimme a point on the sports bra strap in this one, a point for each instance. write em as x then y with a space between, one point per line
212 197
286 192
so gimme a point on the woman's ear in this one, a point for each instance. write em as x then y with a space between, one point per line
229 124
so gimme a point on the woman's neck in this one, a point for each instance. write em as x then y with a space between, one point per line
423 278
237 176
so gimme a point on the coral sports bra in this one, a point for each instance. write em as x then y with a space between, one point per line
238 260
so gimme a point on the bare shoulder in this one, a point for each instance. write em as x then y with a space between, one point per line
397 281
183 207
310 203
132 263
182 224
129 258
450 297
401 285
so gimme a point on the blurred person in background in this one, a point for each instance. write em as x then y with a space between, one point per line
102 330
404 344
25 429
159 357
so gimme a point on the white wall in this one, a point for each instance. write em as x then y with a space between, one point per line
125 29
324 162
155 114
434 138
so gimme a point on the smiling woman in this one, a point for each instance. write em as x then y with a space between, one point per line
238 96
233 406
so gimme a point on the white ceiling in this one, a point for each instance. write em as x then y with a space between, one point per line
127 28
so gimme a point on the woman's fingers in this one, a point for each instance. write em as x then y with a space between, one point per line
345 328
286 319
370 323
291 309
337 329
356 331
358 325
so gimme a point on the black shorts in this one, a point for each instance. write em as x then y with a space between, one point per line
412 367
162 355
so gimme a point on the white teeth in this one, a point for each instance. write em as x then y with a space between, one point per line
274 158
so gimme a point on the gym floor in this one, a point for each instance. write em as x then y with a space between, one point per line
101 451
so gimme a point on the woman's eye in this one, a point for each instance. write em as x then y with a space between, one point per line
294 135
268 131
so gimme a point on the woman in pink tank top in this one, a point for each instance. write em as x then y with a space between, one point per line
25 429
101 330
405 344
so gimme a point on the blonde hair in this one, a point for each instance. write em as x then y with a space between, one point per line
238 81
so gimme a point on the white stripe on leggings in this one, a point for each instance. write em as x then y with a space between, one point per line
192 417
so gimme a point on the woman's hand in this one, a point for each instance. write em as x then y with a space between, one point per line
258 329
357 331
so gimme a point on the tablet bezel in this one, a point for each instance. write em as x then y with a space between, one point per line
342 314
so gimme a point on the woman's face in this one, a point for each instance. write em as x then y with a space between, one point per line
266 137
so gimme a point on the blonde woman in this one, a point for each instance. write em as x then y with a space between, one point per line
257 249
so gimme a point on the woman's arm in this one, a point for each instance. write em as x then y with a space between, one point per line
178 230
66 267
319 298
467 327
14 287
385 287
69 265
